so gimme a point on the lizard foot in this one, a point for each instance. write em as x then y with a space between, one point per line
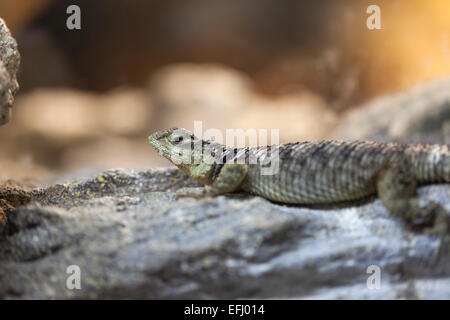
397 191
441 228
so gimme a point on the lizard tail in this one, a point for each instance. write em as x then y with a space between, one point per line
431 165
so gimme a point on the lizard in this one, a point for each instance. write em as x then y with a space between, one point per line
323 172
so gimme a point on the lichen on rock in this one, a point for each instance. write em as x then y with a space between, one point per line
9 65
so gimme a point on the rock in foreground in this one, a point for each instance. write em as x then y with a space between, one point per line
420 114
132 238
9 65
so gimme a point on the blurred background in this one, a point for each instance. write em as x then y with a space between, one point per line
89 98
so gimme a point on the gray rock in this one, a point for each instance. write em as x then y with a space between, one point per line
9 65
132 238
420 114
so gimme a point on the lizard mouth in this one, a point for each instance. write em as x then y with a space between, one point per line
158 141
154 140
177 151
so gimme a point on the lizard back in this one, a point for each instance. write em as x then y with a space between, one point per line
332 171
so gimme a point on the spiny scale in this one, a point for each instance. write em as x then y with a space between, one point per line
332 171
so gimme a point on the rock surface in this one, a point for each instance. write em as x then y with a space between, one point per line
420 114
9 65
132 238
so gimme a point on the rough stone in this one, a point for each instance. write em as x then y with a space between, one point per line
133 238
420 114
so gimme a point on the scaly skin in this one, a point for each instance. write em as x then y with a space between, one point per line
323 172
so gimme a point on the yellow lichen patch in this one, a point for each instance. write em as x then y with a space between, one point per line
101 179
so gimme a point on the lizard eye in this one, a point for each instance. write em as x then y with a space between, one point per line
177 139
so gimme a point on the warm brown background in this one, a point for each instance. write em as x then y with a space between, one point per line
89 98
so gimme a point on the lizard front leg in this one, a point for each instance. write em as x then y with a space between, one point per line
229 179
396 188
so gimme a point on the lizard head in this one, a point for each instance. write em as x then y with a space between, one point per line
185 151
